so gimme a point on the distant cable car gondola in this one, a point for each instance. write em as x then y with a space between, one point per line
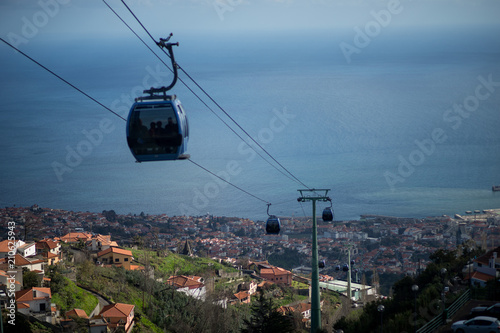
345 268
273 224
157 126
321 264
328 213
337 268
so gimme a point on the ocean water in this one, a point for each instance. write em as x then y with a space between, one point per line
383 132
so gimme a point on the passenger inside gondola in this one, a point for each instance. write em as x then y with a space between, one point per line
139 135
170 127
168 138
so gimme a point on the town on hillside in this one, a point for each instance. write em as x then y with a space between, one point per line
357 258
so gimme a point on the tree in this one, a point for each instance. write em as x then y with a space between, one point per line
57 280
31 279
110 215
265 319
399 309
363 288
442 256
85 271
31 225
240 232
138 241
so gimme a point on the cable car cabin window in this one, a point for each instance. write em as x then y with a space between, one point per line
154 130
186 124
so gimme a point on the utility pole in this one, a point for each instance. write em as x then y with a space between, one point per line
349 295
312 195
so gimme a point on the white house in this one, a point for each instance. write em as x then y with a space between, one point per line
31 264
100 243
34 300
190 285
48 245
26 249
486 267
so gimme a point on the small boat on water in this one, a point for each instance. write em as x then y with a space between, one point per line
495 188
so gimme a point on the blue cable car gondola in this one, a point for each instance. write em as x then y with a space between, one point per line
345 268
321 264
166 135
157 126
273 225
328 213
337 268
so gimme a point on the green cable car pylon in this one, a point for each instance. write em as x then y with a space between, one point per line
312 195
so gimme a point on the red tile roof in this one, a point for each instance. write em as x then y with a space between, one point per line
485 258
136 267
79 313
46 244
49 255
242 295
115 250
19 260
26 295
182 281
117 310
482 276
4 245
21 305
73 237
275 271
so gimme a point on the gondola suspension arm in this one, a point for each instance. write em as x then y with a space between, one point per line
155 93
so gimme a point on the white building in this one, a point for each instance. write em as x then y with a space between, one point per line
26 249
36 302
341 287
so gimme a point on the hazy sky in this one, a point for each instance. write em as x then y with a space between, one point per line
41 28
90 18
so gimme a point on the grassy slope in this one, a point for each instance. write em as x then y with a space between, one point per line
111 283
179 263
82 298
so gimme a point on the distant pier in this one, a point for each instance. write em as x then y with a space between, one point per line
374 216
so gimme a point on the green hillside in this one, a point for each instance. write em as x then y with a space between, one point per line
173 263
159 307
67 295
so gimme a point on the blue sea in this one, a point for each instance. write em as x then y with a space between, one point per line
409 126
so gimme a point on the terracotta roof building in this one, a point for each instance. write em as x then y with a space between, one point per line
241 297
34 300
75 237
190 285
115 256
277 275
76 313
118 315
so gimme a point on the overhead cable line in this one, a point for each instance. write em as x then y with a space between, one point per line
116 114
219 177
192 91
213 101
60 78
